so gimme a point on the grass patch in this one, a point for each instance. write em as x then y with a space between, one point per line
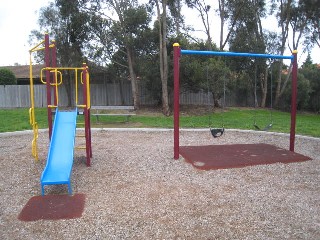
237 118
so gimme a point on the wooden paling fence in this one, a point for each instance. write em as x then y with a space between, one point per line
18 96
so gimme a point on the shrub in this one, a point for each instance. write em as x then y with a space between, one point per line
7 77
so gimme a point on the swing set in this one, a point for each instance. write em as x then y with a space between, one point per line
217 132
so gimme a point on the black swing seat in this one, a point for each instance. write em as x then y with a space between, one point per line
264 129
217 132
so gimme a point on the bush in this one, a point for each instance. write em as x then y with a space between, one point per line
303 96
7 77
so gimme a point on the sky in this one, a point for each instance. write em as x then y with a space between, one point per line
19 18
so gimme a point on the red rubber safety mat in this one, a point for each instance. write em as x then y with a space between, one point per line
237 155
53 207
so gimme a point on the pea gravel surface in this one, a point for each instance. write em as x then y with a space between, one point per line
135 190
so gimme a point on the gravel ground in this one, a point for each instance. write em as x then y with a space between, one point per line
135 190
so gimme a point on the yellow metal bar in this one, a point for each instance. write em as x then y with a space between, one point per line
63 68
76 79
52 106
31 83
41 76
80 147
32 118
36 47
56 85
81 77
34 145
82 106
56 72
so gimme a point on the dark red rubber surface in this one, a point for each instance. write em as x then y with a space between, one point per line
53 207
237 155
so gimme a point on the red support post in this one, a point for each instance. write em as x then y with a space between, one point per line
89 132
48 81
54 64
86 115
176 100
294 93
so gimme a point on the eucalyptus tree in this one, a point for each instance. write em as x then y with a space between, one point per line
249 36
175 7
162 18
117 27
203 9
291 19
229 12
311 10
64 21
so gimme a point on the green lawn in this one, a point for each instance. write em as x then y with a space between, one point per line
237 118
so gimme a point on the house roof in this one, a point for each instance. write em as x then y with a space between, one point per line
22 71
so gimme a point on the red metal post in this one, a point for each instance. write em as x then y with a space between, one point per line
48 81
86 114
294 93
54 64
89 131
176 100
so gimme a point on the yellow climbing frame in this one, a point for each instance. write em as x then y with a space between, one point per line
32 117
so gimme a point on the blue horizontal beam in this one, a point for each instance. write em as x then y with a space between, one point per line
235 54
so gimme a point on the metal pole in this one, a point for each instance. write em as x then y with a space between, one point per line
294 92
176 102
86 112
235 54
47 63
54 64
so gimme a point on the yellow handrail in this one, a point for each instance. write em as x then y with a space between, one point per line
57 83
76 83
88 103
34 144
52 70
35 48
56 78
32 118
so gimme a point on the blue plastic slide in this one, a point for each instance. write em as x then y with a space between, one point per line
60 156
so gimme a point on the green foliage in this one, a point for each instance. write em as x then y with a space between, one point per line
107 32
310 9
7 77
311 72
303 97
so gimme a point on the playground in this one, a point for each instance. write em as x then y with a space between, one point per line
135 190
153 183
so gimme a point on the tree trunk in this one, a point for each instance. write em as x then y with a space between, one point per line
162 19
284 18
68 86
121 92
222 20
279 82
264 88
133 78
